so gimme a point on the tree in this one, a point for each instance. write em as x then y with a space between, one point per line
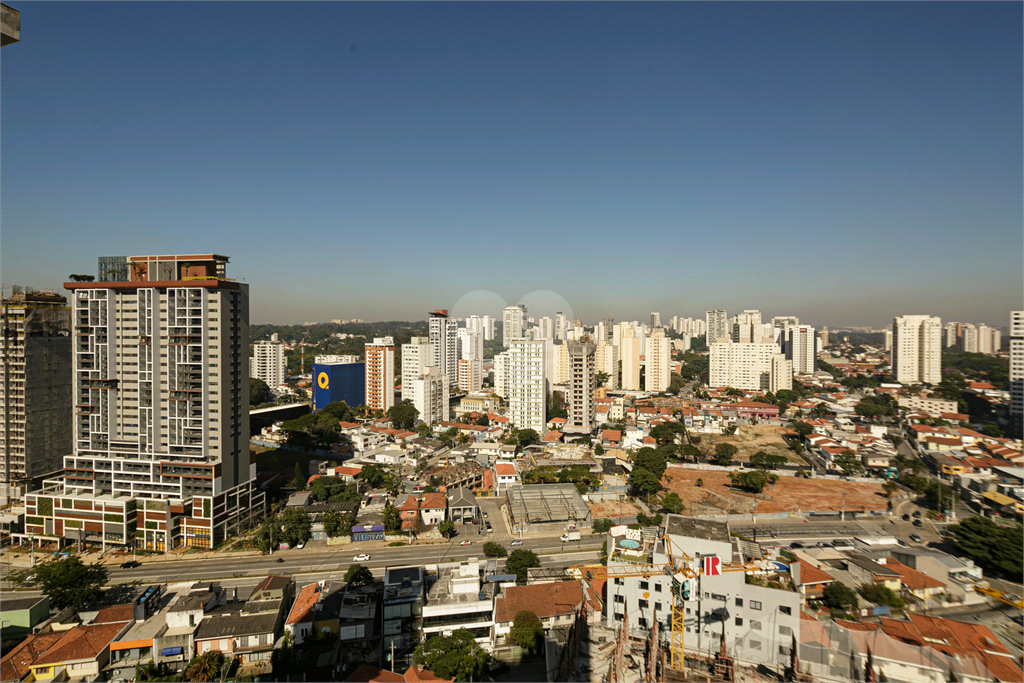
259 392
392 519
423 429
646 520
483 421
995 549
650 460
374 475
527 437
890 488
69 583
673 503
896 440
332 523
403 415
848 462
724 453
527 631
992 430
299 482
598 449
204 668
600 377
644 480
873 406
802 428
767 460
881 595
754 481
450 435
358 575
519 561
295 526
455 657
838 595
494 550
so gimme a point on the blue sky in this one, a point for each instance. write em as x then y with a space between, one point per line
844 163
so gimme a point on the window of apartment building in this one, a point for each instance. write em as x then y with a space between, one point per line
620 599
739 602
642 604
618 616
785 631
785 610
619 582
642 623
783 650
643 585
716 596
754 644
755 604
657 607
739 621
657 588
687 610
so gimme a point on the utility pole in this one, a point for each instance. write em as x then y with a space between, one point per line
842 515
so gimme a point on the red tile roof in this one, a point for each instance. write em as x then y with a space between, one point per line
433 501
15 664
115 614
649 439
302 608
81 642
504 469
544 599
912 579
559 420
373 674
611 434
552 436
809 574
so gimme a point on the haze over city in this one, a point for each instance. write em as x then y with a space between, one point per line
844 163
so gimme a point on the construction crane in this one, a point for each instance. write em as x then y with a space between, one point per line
1011 600
679 569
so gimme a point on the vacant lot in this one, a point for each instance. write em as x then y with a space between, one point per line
750 439
790 494
611 508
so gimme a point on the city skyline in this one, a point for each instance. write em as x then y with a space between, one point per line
843 163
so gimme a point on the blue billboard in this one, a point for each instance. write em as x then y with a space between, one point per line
339 382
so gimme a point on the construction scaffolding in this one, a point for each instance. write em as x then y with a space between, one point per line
547 507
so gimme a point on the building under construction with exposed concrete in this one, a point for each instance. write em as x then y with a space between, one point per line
547 507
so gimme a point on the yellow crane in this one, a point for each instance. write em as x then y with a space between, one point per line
1012 600
678 568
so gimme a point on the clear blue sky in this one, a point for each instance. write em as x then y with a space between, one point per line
839 162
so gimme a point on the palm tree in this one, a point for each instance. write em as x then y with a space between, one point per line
205 668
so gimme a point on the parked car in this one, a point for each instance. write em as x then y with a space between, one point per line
301 545
485 514
796 544
132 564
466 543
824 544
361 558
915 538
906 518
841 543
517 542
917 513
918 523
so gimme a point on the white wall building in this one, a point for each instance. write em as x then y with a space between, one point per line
442 333
657 360
527 384
470 375
489 325
630 347
917 349
559 365
801 348
429 394
417 356
470 344
717 326
751 367
380 373
606 360
501 368
268 362
513 324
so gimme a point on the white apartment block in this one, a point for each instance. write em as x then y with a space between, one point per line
917 349
489 325
417 356
989 339
441 332
470 344
717 326
559 366
333 359
952 333
658 362
801 348
546 328
268 362
513 324
561 326
932 406
968 339
1017 373
501 368
580 394
630 347
888 341
527 384
606 360
380 373
601 332
751 367
655 320
475 324
429 395
161 401
470 375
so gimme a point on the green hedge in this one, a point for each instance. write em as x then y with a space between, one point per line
156 505
72 524
111 517
33 520
151 525
45 506
206 508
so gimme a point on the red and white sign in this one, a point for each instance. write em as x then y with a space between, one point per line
712 566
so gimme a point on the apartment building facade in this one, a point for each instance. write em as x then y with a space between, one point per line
1017 373
630 348
717 325
917 349
580 393
751 367
417 356
268 362
657 362
527 391
606 360
801 343
513 324
380 373
442 333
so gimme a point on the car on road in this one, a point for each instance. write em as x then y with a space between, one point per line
918 523
132 564
915 538
906 518
466 543
517 542
917 513
361 558
841 543
796 544
280 560
489 529
485 514
301 545
824 544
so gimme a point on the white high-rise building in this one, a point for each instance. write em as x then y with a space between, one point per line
751 367
417 356
559 366
968 338
501 366
442 334
917 349
162 402
1017 373
513 324
579 396
658 362
952 333
717 326
888 340
488 327
527 384
606 360
470 344
470 375
630 347
746 327
989 339
801 348
380 373
268 362
655 320
429 395
546 328
601 332
475 324
561 326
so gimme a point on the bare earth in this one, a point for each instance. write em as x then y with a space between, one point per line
789 494
750 439
611 508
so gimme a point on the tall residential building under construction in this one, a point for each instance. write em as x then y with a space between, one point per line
36 390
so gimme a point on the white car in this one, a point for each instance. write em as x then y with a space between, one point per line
516 542
361 558
301 545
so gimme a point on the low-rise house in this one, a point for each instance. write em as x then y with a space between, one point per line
359 628
555 604
914 582
20 615
433 508
415 674
462 507
506 474
80 653
809 580
866 571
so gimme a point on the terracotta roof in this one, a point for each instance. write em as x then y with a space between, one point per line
956 416
313 478
857 625
980 385
81 642
911 578
649 439
505 469
373 674
15 664
810 574
553 435
347 425
611 434
115 614
544 599
755 404
557 419
350 471
433 501
413 674
943 440
302 608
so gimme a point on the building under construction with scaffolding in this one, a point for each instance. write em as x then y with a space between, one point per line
547 507
36 389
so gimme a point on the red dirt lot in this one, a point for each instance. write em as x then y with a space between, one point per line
789 494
